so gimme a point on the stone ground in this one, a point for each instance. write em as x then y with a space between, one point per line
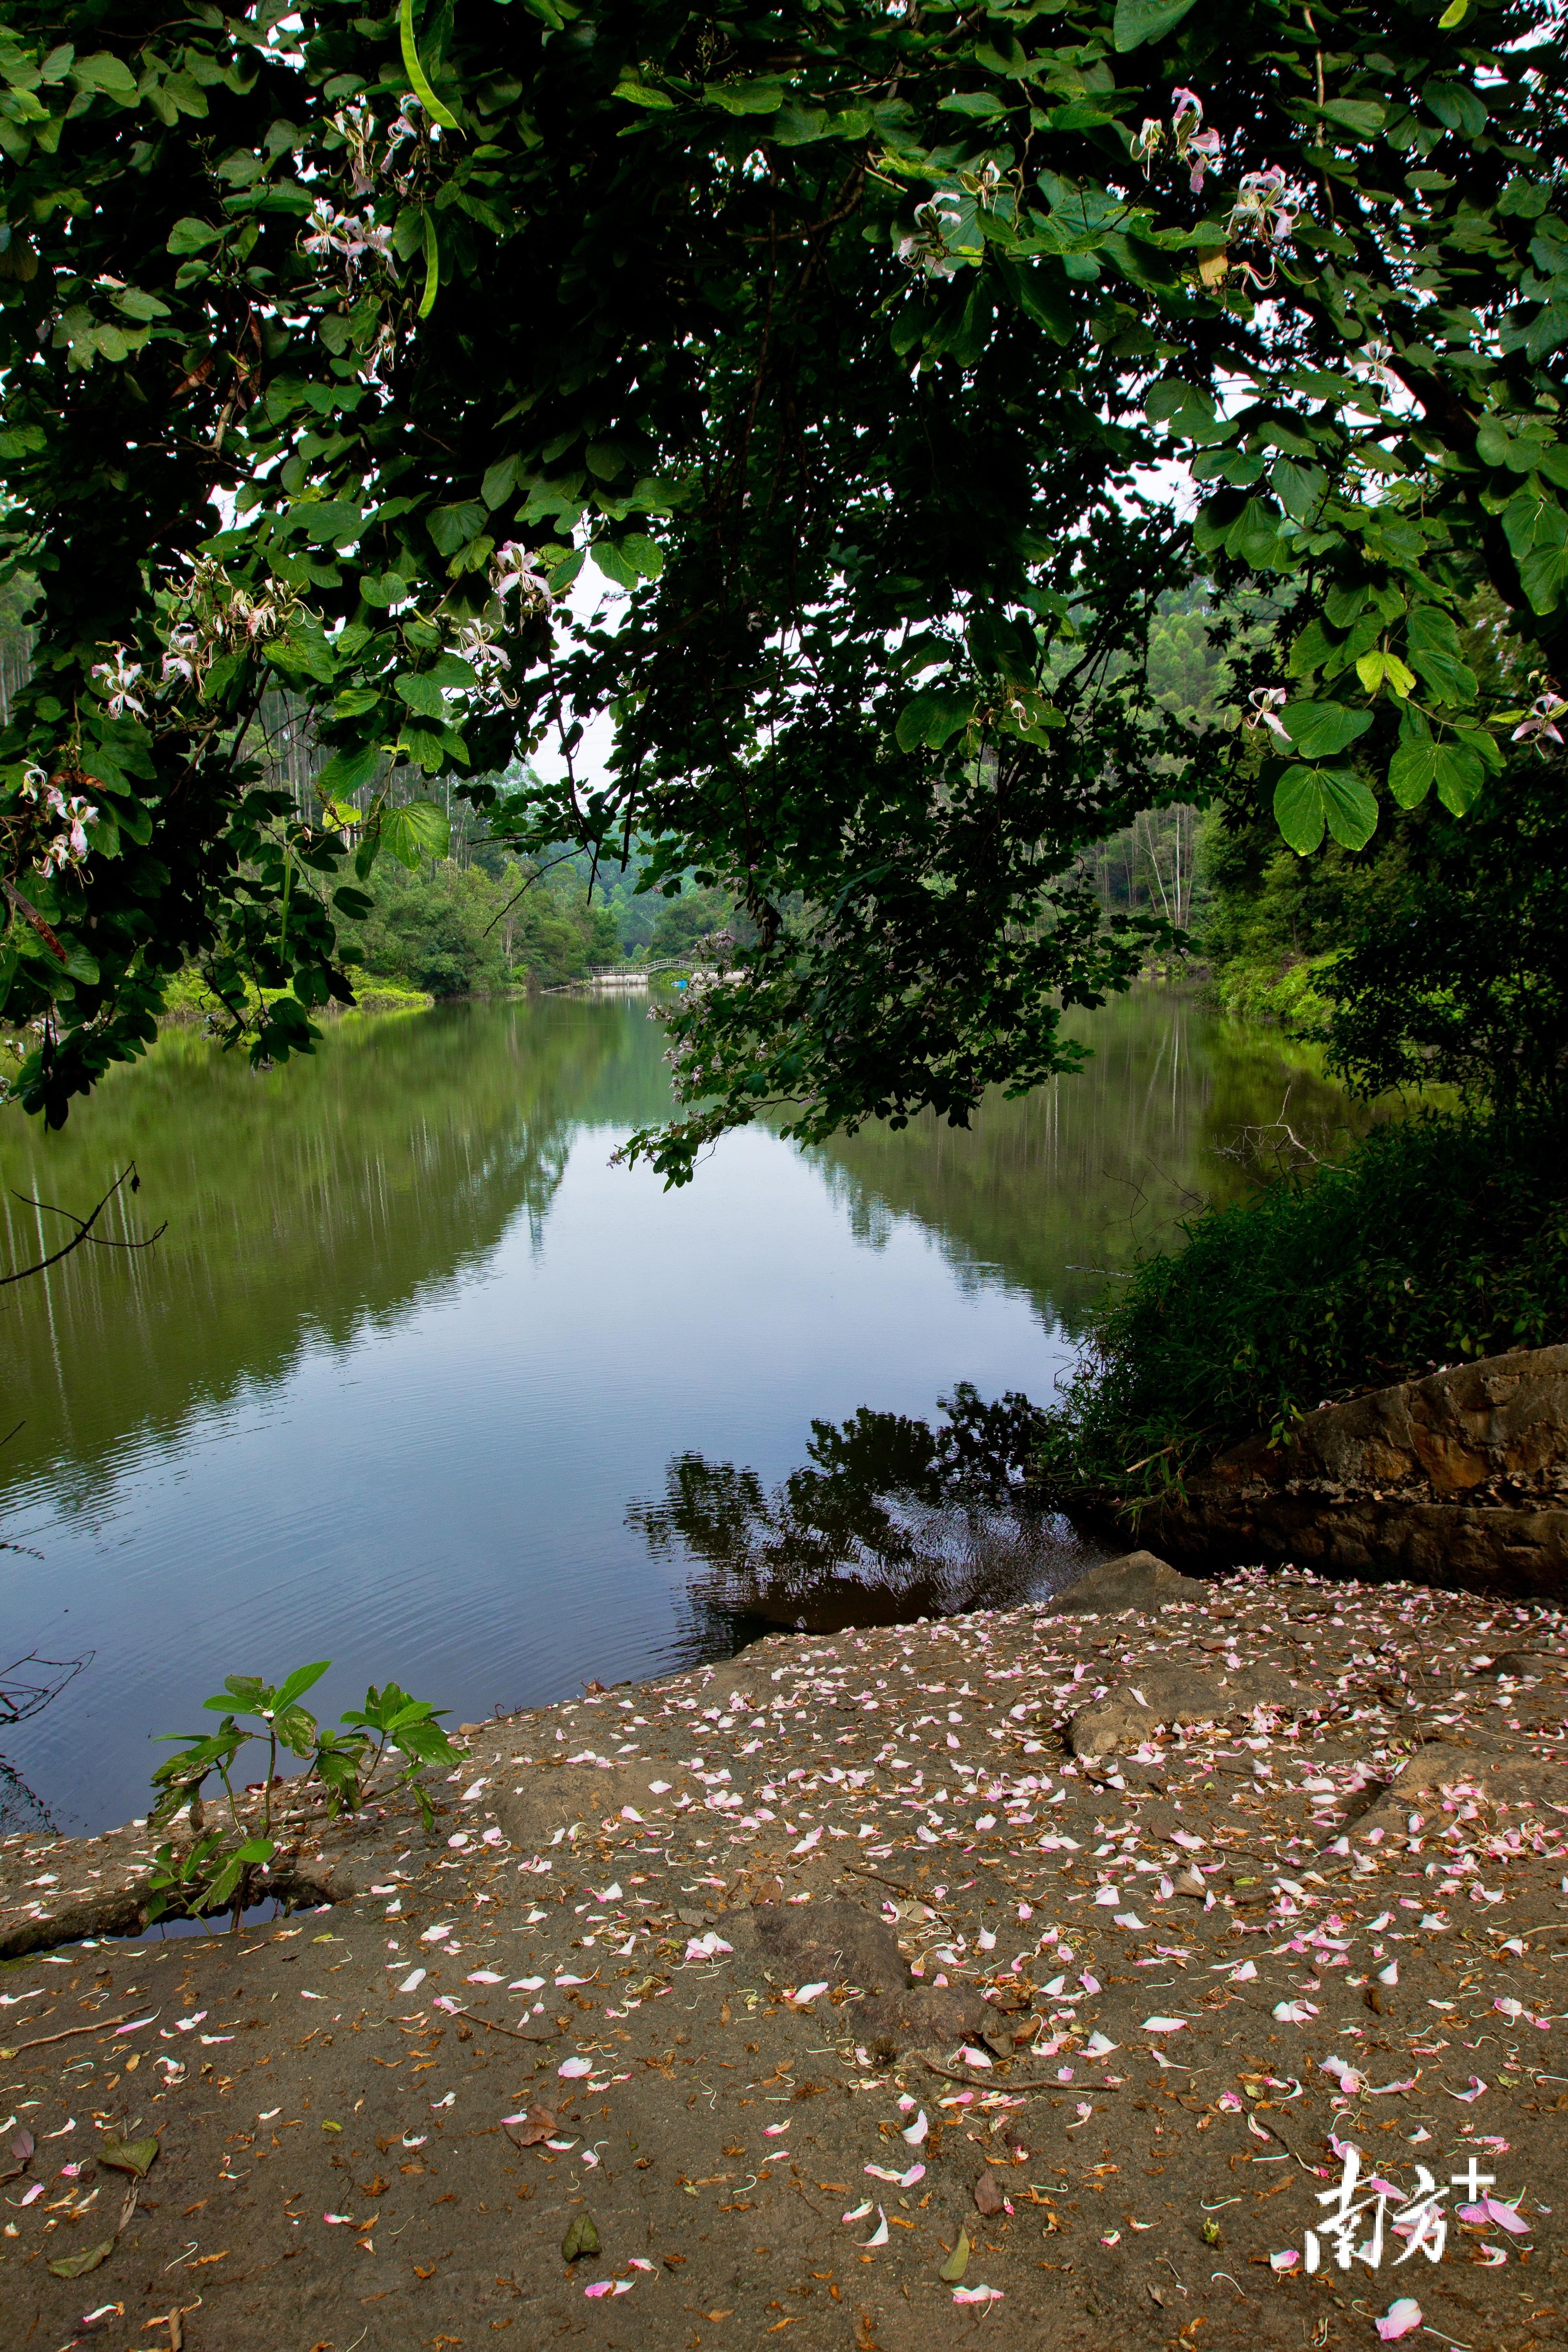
997 1940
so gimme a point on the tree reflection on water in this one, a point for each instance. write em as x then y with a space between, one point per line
890 1518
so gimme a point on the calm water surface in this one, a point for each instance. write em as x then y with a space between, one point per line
401 1379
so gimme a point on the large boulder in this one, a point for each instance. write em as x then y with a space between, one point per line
1460 1478
1137 1580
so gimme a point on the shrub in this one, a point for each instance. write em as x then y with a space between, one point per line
1440 1236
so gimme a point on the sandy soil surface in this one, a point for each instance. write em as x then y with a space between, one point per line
1028 1975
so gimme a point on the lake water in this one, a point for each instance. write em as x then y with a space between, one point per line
416 1382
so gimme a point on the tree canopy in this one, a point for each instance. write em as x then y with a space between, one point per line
893 363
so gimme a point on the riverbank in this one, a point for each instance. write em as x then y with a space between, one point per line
191 1002
1015 1979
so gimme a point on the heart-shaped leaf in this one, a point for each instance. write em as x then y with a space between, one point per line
582 2238
1308 801
129 2154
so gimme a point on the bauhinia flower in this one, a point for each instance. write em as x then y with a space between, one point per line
1148 143
185 657
474 641
514 567
928 247
351 235
1258 210
1540 724
1201 148
118 677
69 846
1187 114
1265 702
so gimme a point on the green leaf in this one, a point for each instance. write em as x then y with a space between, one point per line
582 2238
102 72
381 589
420 741
957 2262
421 693
984 104
640 93
1311 651
247 1692
1300 488
132 303
644 554
1254 538
1043 293
933 718
1137 21
1457 107
1377 670
1412 771
1454 766
135 2156
295 1727
1454 14
348 771
500 481
1319 729
1364 118
1537 532
1308 800
300 1681
453 527
1433 643
746 96
1520 443
419 80
75 2266
614 564
417 829
191 236
1547 330
1460 776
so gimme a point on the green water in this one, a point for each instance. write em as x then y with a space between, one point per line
409 1357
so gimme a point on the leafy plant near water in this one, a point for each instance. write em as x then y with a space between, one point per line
219 1867
1440 1237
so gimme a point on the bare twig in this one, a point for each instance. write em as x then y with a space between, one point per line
84 1228
101 2025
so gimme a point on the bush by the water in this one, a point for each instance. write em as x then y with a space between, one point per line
1440 1237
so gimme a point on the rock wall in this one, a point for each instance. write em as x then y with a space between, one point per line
1459 1479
